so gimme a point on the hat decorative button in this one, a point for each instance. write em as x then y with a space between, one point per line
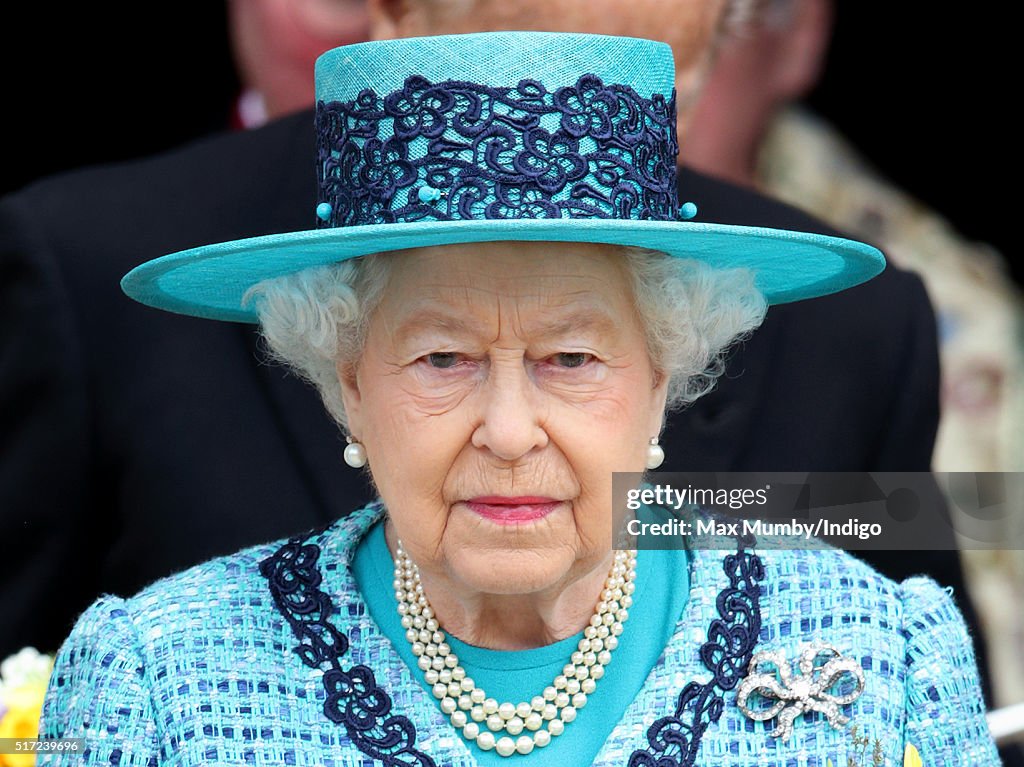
429 194
688 210
820 668
324 211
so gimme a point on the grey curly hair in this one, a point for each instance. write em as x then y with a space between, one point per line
316 320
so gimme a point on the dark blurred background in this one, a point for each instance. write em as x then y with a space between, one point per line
920 92
88 83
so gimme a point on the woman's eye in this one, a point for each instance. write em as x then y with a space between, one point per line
442 360
572 359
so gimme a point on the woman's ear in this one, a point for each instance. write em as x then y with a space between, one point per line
659 396
351 398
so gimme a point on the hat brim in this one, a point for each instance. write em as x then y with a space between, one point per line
210 281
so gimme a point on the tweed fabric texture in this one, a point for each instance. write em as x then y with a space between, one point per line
200 668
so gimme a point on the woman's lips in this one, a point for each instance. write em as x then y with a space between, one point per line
506 510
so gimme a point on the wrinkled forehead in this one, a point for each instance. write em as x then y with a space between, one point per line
559 286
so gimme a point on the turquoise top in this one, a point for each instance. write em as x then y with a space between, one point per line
662 579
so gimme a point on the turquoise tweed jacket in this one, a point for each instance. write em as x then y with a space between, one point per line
269 657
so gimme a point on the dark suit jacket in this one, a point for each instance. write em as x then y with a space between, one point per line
134 443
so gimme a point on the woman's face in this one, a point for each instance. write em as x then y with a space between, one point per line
500 387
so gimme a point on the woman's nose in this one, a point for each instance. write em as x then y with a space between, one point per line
510 419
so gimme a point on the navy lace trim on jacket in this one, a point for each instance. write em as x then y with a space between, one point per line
355 701
353 698
673 741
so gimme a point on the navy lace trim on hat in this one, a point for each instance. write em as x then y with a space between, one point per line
353 698
356 702
458 150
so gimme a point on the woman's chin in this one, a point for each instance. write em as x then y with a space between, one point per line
489 570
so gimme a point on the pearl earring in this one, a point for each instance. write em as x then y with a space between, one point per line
655 455
355 454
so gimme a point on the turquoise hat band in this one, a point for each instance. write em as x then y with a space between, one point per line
496 136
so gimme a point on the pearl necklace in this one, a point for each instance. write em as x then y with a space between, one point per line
481 719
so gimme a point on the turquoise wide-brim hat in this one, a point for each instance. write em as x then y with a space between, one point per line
529 136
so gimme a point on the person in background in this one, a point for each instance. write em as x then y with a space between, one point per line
120 466
275 43
748 128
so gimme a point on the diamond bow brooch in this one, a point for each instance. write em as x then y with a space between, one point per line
820 668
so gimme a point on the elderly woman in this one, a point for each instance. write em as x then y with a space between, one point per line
500 302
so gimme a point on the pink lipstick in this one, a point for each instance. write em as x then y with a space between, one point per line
511 510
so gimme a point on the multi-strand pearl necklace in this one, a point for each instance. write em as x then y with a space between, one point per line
481 719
